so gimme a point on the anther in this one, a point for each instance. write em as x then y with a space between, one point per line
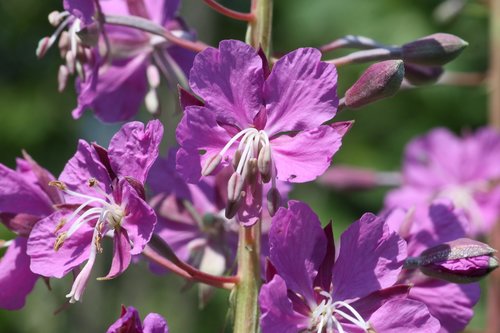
43 46
59 225
273 200
264 163
60 241
211 164
59 184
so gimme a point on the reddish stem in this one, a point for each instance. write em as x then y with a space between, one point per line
190 273
248 17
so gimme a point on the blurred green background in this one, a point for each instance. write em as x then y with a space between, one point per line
36 118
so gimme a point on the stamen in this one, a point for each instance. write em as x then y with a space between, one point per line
234 138
60 241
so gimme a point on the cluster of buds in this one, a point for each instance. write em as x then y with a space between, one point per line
75 44
460 261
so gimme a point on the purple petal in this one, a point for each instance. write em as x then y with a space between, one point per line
82 9
307 155
119 93
16 278
404 315
154 323
139 220
198 132
370 258
450 303
163 178
433 160
229 80
324 277
21 224
301 92
133 149
121 254
19 195
43 177
277 311
85 164
297 247
129 322
75 250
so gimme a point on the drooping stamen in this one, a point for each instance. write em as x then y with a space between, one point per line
324 316
83 277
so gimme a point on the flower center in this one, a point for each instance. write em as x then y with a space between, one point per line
108 213
328 314
463 197
251 159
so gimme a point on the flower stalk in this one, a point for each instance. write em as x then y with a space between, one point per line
148 26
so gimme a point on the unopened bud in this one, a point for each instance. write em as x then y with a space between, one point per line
380 80
62 77
420 75
43 46
273 200
211 164
264 163
434 50
152 101
459 261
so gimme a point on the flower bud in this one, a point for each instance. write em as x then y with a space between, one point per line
380 80
434 50
420 75
459 261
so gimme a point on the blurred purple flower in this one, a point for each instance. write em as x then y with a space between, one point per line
81 9
129 74
25 198
464 170
450 303
269 125
130 322
104 195
309 289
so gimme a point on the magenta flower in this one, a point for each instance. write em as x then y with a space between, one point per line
119 88
104 195
465 170
191 217
450 303
308 289
25 198
130 322
269 125
84 10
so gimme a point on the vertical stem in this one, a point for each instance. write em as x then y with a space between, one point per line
246 315
493 321
259 30
246 311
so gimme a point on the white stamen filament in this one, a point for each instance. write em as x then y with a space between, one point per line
58 31
323 316
233 140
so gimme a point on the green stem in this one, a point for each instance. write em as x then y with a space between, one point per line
259 30
246 312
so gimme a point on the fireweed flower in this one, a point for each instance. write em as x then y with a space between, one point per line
25 198
191 218
130 322
464 170
104 195
130 73
268 125
441 222
309 290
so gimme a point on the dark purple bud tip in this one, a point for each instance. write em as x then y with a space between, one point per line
419 75
380 80
89 35
434 50
273 200
459 261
